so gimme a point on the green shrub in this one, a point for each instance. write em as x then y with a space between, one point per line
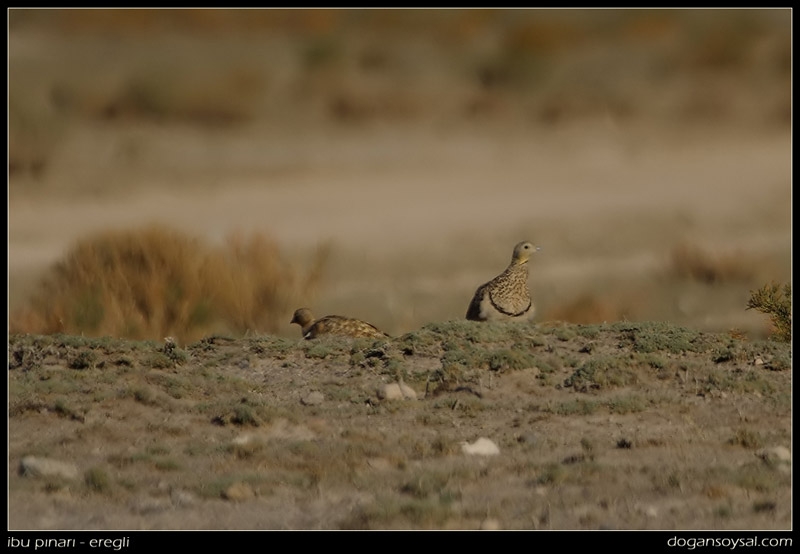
777 304
97 480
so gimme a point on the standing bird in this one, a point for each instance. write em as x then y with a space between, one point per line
506 296
334 325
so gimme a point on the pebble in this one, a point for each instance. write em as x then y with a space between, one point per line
396 391
32 466
407 391
481 447
390 392
312 399
144 506
238 492
182 497
775 454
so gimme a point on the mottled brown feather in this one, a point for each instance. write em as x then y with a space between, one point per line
334 325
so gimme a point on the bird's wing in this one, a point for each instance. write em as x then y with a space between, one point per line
474 310
374 329
340 325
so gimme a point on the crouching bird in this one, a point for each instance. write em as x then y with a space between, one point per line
334 325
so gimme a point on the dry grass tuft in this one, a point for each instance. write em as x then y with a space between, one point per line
694 263
155 281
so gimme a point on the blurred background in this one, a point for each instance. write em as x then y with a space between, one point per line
185 172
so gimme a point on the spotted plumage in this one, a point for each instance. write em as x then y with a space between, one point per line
334 325
506 296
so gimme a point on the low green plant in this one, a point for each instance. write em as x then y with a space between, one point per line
627 404
601 372
552 474
575 407
656 336
85 359
97 480
167 464
510 359
64 408
746 438
245 415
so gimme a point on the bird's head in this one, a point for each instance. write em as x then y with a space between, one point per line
302 317
522 252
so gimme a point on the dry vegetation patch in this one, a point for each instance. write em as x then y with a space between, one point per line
690 261
156 281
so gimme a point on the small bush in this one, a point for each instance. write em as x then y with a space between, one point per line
746 438
85 359
600 373
97 480
245 415
777 304
510 359
650 337
155 281
63 408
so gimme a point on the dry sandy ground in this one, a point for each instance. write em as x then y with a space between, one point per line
620 426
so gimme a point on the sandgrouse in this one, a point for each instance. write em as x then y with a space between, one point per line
506 296
334 325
